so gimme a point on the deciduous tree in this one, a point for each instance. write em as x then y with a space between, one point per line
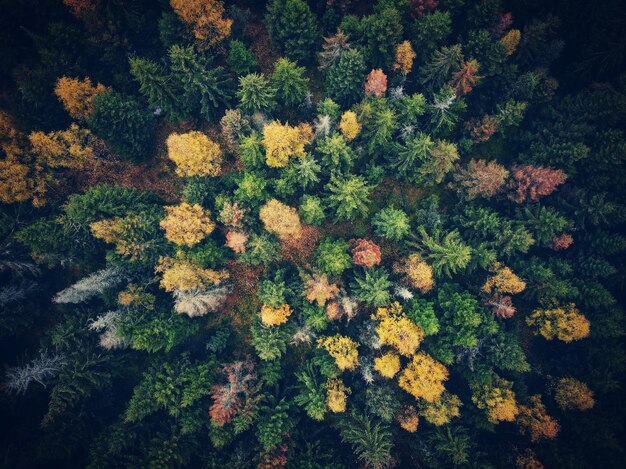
194 154
423 378
77 95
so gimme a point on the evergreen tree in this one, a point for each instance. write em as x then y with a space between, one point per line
293 29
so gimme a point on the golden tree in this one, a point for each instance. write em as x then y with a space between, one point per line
423 378
187 224
408 419
441 411
528 460
342 349
349 125
125 232
503 281
275 316
336 395
236 240
206 19
573 394
194 154
77 96
416 272
511 40
535 420
563 323
404 58
320 290
282 142
497 399
184 275
397 330
387 365
280 219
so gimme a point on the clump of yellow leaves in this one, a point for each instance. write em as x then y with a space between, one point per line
342 349
387 365
184 275
275 316
187 224
336 395
349 125
194 154
397 330
423 378
282 142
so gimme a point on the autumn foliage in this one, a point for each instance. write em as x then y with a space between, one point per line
534 420
573 394
282 142
417 273
530 183
194 154
404 58
365 252
464 79
206 19
187 224
480 178
376 83
229 397
280 219
77 96
271 316
563 323
349 125
423 378
342 349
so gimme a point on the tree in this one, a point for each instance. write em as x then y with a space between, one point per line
186 276
77 96
342 349
199 302
391 223
466 77
240 60
349 197
293 29
271 316
289 82
503 281
530 183
480 179
376 83
439 161
535 420
423 378
417 273
563 323
382 31
311 209
573 394
332 49
442 411
205 17
388 364
344 80
349 125
404 58
282 142
123 123
494 395
160 88
332 256
421 7
280 219
371 441
417 149
318 289
446 255
396 330
40 369
194 154
236 394
443 63
511 40
311 394
87 287
372 287
187 224
365 253
256 94
336 395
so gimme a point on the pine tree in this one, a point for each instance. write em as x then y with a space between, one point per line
293 29
289 82
344 80
349 197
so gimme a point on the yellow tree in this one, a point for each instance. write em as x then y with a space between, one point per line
127 233
206 19
387 365
497 399
280 219
15 182
417 273
573 394
397 330
336 395
511 40
408 419
535 420
423 378
187 224
563 323
441 411
275 316
194 154
503 281
282 142
349 125
77 96
404 58
185 276
342 349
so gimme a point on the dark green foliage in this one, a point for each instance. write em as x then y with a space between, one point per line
372 287
240 60
370 440
349 197
332 256
256 94
124 123
293 29
345 79
391 223
289 82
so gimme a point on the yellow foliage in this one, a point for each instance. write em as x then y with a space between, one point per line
11 139
187 224
336 395
77 96
282 142
205 18
275 316
423 378
528 460
404 58
442 411
498 401
573 394
397 330
183 275
511 40
280 219
535 420
349 125
387 365
409 419
15 182
194 154
418 273
136 296
504 281
125 233
342 349
566 324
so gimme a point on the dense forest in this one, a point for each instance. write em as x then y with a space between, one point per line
312 234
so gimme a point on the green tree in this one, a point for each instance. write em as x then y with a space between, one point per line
337 155
372 287
256 94
289 82
240 60
274 423
446 255
311 210
391 223
429 32
311 395
332 256
158 87
344 80
383 32
371 441
349 197
123 123
293 29
443 62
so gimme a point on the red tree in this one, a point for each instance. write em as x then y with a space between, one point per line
533 182
464 79
562 241
229 397
365 252
502 306
482 130
376 83
421 7
480 179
